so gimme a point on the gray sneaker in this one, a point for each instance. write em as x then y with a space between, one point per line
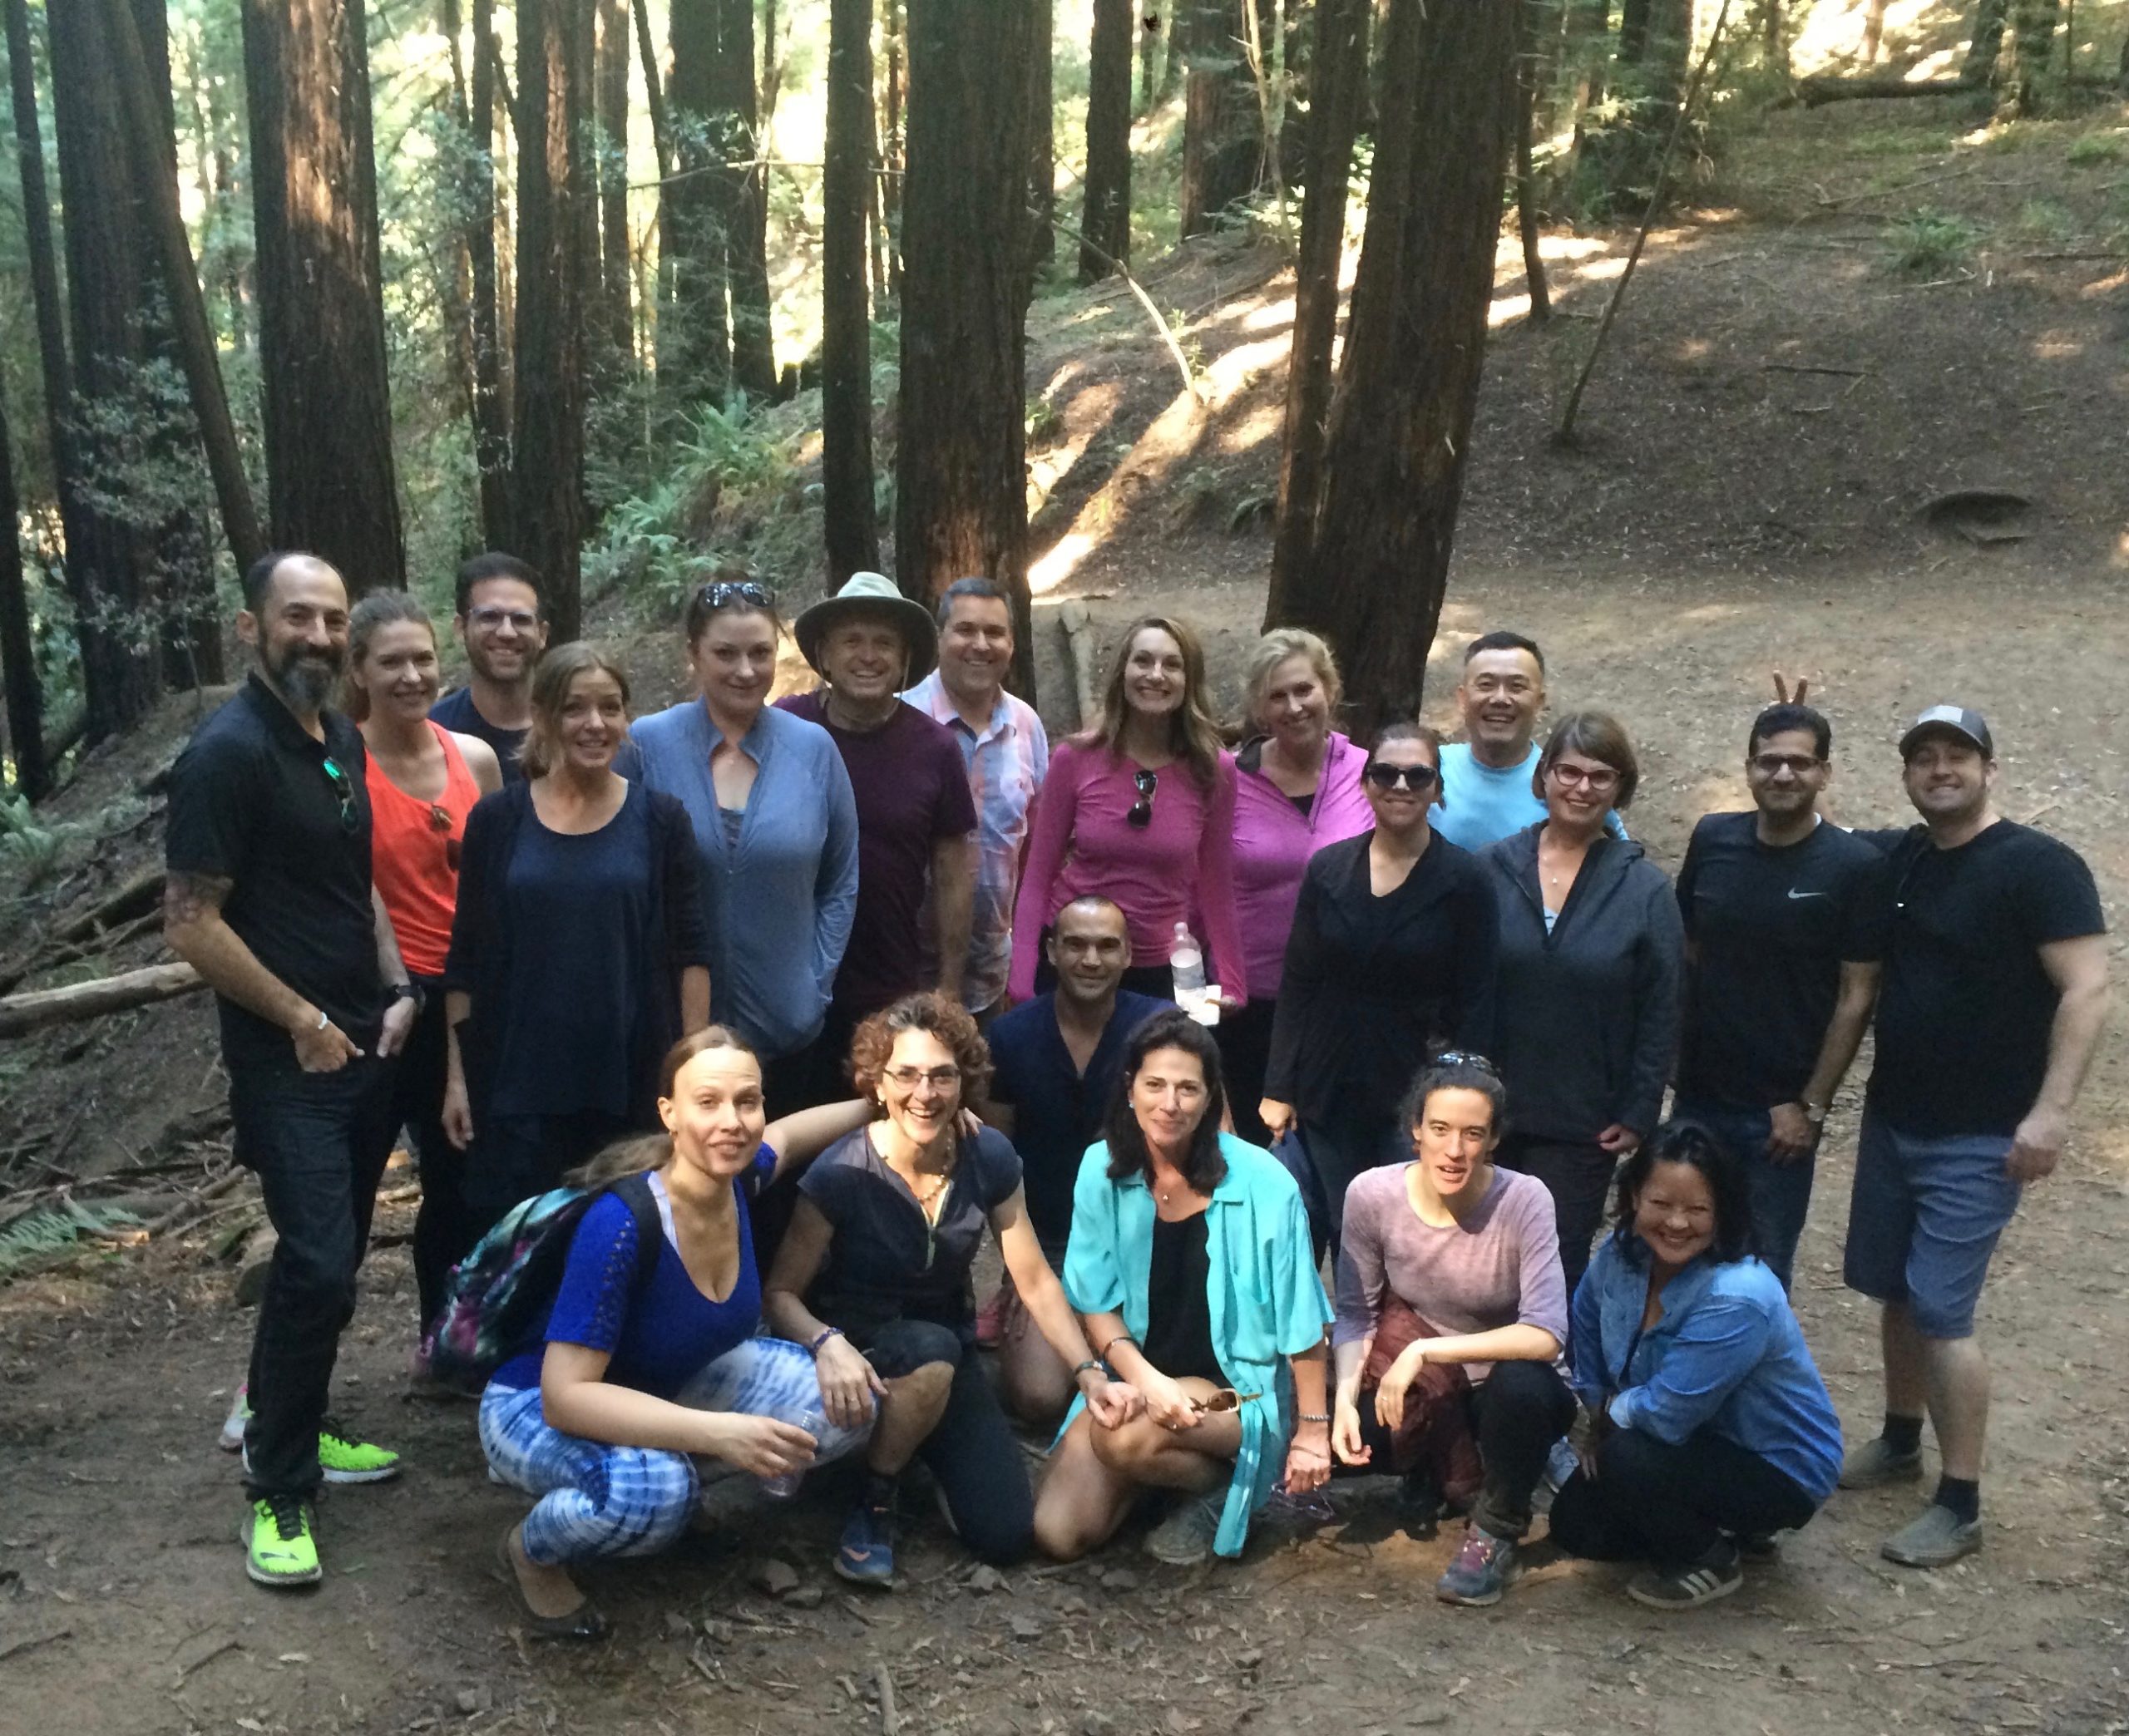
1875 1464
1184 1539
1939 1538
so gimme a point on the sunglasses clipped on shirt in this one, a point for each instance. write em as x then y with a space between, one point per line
1384 775
343 786
1142 811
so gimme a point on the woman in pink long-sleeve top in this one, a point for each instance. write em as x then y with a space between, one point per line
1140 810
1297 788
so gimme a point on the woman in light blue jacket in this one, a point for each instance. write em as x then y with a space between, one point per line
776 831
1190 1260
1711 1428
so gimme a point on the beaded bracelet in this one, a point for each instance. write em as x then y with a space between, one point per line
827 1333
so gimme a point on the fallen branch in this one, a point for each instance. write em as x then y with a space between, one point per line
1811 92
34 1012
1813 368
889 1723
1181 361
183 1213
1913 186
16 1648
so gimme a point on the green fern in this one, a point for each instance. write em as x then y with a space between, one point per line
53 1229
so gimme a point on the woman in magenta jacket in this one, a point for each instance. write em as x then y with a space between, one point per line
1297 788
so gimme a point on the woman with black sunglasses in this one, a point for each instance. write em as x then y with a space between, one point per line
423 781
1391 957
1139 810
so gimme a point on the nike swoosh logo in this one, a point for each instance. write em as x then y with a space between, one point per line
1794 893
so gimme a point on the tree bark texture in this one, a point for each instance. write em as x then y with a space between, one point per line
1532 69
330 484
887 192
695 357
490 395
2035 24
746 192
1106 220
1990 17
616 252
851 517
1338 93
1222 130
17 647
961 498
1042 143
555 235
1400 422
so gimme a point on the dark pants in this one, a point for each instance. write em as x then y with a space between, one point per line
1780 1192
1245 1040
972 1454
1673 1505
1335 1156
444 1230
318 1143
517 1156
1515 1414
804 1079
1580 1179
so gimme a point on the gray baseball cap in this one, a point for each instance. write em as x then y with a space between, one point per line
1950 720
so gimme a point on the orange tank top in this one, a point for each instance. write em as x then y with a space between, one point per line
414 855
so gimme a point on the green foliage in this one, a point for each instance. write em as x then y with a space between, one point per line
2098 147
29 850
43 1233
1927 241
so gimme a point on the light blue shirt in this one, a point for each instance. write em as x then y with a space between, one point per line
1266 1301
779 905
1481 804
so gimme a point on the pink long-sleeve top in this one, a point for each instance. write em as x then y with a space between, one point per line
1179 865
1273 840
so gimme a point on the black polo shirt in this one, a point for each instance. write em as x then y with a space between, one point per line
252 802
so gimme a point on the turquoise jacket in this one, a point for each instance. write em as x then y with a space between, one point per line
1267 1302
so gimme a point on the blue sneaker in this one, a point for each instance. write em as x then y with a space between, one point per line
865 1556
1480 1572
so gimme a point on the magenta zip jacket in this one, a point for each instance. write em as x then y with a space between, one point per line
1273 840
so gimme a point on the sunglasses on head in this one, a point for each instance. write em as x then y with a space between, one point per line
721 592
343 786
1466 1058
1384 776
1142 811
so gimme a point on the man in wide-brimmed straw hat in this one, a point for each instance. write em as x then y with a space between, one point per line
915 816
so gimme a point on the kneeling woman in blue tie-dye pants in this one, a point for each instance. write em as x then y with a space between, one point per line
633 1378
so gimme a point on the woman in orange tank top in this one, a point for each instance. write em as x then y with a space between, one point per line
423 781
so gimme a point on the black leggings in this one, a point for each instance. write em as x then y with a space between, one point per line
444 1229
972 1454
1673 1505
1517 1412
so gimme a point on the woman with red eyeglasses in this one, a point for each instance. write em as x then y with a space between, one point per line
423 781
1391 958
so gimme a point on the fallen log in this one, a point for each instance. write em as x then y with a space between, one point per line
45 1007
1813 91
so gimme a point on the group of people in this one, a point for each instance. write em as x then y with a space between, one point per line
810 996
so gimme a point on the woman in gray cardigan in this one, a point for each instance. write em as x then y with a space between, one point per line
1587 1001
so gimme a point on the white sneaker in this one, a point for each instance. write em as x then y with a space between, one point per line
231 1439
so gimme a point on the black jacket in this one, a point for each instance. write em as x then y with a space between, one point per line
1587 1015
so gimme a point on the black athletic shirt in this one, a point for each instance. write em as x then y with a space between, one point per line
1178 1311
457 712
1965 1010
1772 927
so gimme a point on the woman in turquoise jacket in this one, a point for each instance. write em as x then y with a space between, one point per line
1190 1259
1711 1428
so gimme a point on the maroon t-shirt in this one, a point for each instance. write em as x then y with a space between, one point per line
912 790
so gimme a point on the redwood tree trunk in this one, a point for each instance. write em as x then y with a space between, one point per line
616 255
961 497
1338 93
1106 222
746 204
851 519
694 349
17 650
554 228
1400 423
1532 68
2036 24
330 486
1986 42
1042 143
1223 129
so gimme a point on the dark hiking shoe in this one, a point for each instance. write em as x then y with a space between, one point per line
1713 1576
1939 1538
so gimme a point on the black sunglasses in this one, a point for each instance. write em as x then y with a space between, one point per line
1142 811
722 593
1464 1057
343 786
1384 776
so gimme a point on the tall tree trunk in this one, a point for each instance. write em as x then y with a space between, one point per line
1990 17
17 648
851 515
2035 24
1042 143
1874 27
554 211
1146 22
491 398
1627 153
1222 130
1106 222
1338 93
1634 18
1532 68
616 253
694 361
961 495
1408 386
330 485
746 201
892 157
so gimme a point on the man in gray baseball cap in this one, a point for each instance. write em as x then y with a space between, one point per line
1994 993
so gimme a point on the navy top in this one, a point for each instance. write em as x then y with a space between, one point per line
565 1046
659 1343
455 711
1058 1111
886 1263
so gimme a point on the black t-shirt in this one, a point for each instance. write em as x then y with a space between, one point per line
1965 1010
457 712
251 802
1178 1306
1772 927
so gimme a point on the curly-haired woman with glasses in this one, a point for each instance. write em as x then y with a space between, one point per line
1391 956
873 1278
1139 810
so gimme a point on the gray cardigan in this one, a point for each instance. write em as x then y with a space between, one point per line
1586 1016
779 907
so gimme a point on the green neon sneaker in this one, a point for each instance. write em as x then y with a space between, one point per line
280 1543
345 1460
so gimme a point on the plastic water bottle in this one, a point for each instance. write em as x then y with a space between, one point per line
784 1487
1188 962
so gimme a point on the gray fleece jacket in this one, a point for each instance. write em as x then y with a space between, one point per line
1586 1017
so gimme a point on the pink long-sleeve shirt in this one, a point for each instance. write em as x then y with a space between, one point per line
1273 840
1179 865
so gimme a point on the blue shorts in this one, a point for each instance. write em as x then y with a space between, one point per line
1924 1220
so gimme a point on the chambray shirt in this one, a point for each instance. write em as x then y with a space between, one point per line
1006 766
1267 1304
780 905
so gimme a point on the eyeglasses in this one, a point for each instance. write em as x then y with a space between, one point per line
490 617
1224 1400
1768 764
1384 775
1602 782
1466 1058
723 593
1142 811
908 1078
343 786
